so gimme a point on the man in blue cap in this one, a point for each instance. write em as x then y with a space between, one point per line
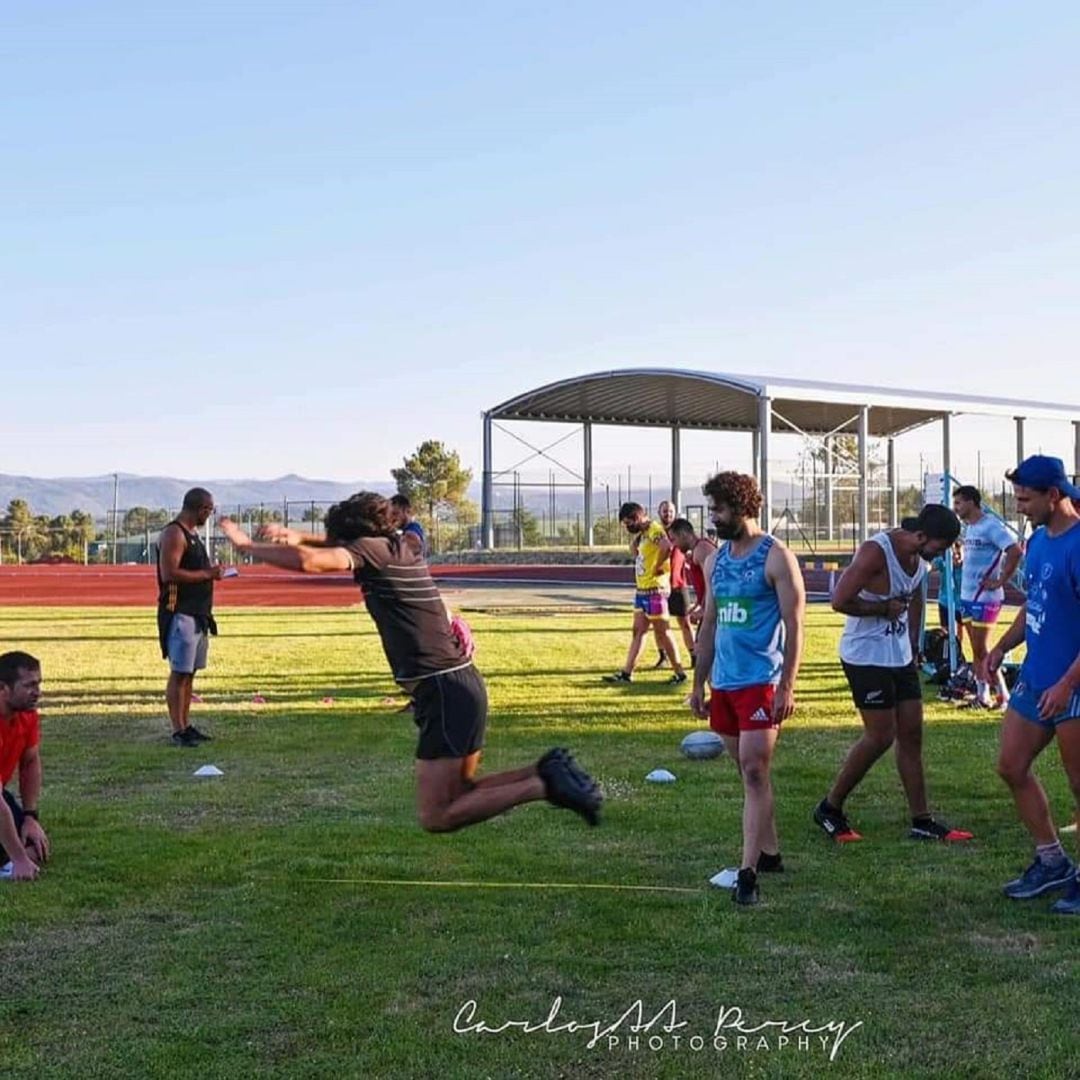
1046 699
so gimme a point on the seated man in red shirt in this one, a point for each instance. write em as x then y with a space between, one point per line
25 845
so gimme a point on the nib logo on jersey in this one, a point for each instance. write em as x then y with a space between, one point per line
735 612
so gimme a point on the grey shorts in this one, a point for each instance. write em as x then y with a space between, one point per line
186 645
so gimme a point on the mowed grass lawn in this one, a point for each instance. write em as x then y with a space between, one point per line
183 928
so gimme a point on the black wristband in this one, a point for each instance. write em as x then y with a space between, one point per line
31 813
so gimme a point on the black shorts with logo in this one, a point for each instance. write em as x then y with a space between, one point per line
678 602
874 687
450 710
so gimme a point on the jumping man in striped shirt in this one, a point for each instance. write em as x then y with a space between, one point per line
430 663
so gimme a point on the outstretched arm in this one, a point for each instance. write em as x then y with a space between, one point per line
302 558
279 534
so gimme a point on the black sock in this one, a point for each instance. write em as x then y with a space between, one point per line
922 819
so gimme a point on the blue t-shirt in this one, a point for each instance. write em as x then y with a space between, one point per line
749 630
1052 580
417 529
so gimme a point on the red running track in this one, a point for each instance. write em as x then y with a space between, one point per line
257 586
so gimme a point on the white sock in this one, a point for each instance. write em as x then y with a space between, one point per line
1050 854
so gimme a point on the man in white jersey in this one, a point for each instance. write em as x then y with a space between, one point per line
991 556
880 592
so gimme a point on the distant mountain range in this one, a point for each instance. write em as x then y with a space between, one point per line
94 494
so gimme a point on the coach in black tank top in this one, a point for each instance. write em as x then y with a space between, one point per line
429 661
186 576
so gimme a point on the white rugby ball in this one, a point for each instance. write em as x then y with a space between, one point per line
700 745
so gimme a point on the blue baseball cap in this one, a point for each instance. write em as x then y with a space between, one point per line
1040 471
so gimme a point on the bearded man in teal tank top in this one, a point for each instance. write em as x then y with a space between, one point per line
748 648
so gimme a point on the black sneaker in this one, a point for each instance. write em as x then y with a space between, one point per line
928 828
677 679
661 660
619 677
770 864
184 738
746 888
197 735
567 785
835 824
575 769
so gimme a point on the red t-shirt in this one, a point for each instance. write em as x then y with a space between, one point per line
19 733
697 579
678 567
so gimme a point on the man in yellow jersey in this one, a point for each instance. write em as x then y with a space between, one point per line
652 573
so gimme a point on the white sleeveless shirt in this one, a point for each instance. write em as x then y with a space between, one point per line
875 639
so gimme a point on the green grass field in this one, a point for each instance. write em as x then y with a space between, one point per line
188 927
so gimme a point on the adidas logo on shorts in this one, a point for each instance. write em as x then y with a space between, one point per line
760 717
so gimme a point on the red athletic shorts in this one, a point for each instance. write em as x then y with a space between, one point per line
750 708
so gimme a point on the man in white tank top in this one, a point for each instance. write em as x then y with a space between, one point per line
880 592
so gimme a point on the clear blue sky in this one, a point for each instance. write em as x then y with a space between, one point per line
250 239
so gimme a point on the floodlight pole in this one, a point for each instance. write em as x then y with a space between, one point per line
864 468
1019 457
487 525
115 515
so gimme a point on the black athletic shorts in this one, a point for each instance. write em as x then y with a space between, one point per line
451 712
17 814
678 602
875 687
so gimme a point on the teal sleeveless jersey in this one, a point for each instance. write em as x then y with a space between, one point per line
749 630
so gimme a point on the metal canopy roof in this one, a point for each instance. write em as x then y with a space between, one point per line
718 401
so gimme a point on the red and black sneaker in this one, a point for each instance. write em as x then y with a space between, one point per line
928 828
835 824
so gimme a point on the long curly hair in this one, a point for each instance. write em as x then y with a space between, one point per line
735 490
364 514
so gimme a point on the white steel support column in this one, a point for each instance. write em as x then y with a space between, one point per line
946 450
586 431
894 493
763 433
830 513
676 469
487 510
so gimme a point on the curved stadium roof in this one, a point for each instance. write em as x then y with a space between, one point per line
726 402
